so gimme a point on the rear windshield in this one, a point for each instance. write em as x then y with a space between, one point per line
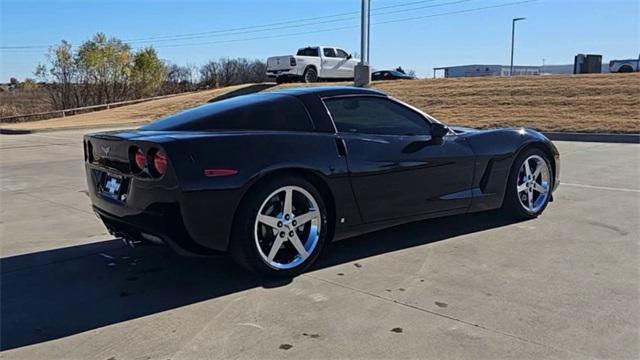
249 112
308 52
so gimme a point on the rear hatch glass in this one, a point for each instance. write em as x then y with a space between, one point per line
248 112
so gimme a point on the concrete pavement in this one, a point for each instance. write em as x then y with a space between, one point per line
566 285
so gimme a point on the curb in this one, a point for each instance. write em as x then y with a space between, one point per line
121 126
594 137
15 131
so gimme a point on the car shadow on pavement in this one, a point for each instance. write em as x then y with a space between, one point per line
53 294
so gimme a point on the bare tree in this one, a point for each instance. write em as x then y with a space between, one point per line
227 71
62 72
179 79
209 74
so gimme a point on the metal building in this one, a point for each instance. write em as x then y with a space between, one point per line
587 64
485 70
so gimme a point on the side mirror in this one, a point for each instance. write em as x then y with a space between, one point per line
349 57
438 130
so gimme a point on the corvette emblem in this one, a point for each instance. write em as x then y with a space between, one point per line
106 150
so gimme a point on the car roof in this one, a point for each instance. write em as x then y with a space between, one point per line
391 71
324 91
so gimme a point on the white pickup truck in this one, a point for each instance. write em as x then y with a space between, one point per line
624 66
311 64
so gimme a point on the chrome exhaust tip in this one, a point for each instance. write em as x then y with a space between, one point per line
130 243
152 238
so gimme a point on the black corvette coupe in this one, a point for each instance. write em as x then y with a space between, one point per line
273 177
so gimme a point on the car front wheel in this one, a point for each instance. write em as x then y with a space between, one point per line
281 228
529 185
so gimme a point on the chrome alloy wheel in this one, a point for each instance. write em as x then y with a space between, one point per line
534 183
287 227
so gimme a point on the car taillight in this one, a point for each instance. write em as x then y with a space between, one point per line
292 61
159 162
137 159
140 159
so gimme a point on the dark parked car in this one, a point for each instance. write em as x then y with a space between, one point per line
390 75
273 177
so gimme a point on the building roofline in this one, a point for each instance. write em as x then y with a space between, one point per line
470 65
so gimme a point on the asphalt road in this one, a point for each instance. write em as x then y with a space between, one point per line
566 285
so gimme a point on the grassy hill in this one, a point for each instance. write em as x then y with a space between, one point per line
590 103
586 103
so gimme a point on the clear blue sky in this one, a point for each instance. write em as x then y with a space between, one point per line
555 30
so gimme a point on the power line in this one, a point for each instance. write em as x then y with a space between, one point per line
459 11
253 30
352 26
222 31
343 27
331 16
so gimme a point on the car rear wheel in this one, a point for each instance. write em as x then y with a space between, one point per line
529 186
281 228
310 75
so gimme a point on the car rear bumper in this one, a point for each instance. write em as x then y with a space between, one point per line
163 227
194 222
283 72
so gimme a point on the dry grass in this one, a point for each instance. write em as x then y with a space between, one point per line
586 103
24 101
127 115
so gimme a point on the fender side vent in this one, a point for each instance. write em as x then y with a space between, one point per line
487 174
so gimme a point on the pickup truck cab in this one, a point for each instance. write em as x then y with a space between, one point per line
312 64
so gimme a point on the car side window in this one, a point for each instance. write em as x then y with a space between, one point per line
375 115
329 52
341 53
308 52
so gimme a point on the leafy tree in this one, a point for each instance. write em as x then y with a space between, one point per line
28 85
148 72
107 63
105 70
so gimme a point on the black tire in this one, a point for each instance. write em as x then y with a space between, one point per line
244 247
625 69
511 206
310 75
280 80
